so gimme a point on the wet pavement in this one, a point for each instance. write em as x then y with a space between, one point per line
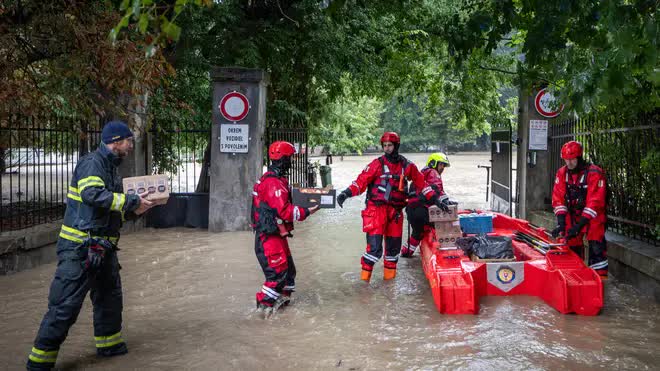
189 304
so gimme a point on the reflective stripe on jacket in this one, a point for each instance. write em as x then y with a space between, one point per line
96 204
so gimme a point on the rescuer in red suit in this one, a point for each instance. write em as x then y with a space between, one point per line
417 210
273 215
579 202
384 180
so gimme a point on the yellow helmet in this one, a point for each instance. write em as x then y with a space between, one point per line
436 158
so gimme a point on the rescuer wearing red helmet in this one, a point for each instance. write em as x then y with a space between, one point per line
273 215
384 179
579 202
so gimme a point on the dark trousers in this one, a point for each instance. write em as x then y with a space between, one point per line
418 217
67 293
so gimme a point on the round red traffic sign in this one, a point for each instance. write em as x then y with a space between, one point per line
234 106
544 103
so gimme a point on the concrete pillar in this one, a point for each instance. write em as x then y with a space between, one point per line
534 173
233 174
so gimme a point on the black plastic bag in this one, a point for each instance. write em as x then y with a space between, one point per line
486 247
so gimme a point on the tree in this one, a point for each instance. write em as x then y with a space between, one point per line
58 59
594 54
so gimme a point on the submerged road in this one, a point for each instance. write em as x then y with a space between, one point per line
189 304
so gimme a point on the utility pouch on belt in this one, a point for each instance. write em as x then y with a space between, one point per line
267 222
368 220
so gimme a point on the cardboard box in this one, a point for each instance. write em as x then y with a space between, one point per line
448 239
447 227
308 197
437 215
157 185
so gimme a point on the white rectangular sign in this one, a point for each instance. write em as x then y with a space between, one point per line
538 135
234 138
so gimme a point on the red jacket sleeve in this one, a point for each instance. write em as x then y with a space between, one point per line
366 177
596 192
435 181
419 182
559 192
277 197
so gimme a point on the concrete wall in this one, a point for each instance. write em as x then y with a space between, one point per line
234 174
28 248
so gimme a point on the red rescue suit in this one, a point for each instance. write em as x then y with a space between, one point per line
583 194
417 210
273 215
386 197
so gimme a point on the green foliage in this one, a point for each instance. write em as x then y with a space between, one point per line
595 54
155 19
57 59
347 125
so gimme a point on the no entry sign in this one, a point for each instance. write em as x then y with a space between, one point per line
234 106
544 102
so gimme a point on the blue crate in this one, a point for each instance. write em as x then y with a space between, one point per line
476 223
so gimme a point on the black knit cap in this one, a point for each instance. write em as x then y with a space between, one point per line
115 131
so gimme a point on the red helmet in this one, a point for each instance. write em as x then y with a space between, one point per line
390 136
280 149
571 150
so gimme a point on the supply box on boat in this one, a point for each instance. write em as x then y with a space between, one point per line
325 198
476 223
157 185
437 215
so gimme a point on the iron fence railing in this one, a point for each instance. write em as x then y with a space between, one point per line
629 153
180 155
298 137
37 158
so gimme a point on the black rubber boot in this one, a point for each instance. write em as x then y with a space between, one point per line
115 350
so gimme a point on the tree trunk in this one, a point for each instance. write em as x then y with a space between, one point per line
204 182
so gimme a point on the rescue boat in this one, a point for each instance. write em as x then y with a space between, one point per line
555 273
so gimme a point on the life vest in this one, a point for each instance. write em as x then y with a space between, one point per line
576 193
386 189
263 217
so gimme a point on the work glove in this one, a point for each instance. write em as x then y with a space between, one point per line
561 226
343 196
442 205
575 229
96 249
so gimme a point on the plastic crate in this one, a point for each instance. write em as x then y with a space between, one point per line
476 223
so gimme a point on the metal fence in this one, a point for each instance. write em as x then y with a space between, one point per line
37 158
180 155
299 167
629 153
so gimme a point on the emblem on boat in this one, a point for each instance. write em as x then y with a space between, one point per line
505 276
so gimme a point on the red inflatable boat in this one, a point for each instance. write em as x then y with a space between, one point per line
554 273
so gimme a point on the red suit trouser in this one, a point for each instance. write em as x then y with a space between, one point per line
595 232
380 221
276 262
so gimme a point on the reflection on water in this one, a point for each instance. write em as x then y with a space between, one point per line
189 304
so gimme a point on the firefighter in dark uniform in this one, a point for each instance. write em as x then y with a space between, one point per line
579 202
273 215
87 251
